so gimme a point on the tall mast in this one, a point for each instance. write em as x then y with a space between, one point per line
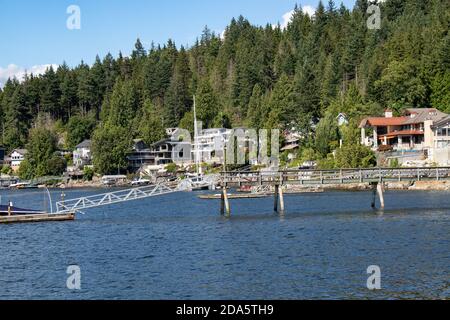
197 160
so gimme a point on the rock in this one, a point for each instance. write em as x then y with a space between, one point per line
401 185
431 185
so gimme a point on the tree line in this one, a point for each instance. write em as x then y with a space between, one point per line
267 77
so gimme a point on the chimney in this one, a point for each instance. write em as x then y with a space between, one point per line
388 113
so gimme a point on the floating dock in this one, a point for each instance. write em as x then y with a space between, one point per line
233 196
10 214
40 217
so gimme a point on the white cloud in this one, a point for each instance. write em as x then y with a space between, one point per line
287 17
15 71
309 10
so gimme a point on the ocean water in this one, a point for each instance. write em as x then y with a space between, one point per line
179 247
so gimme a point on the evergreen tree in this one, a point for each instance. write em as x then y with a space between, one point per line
139 51
51 93
151 127
17 118
41 148
206 104
282 105
123 104
79 129
110 144
440 97
178 98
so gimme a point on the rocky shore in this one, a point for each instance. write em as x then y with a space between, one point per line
403 185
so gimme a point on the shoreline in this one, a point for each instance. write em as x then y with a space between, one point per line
443 185
398 186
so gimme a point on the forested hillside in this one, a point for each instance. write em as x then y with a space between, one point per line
256 76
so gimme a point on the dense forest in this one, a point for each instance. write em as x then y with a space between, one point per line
300 76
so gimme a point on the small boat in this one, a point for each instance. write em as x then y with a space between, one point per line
198 183
141 182
22 185
15 211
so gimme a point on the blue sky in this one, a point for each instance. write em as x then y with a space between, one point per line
34 33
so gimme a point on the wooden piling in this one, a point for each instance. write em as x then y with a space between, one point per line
226 202
222 204
280 193
275 198
374 194
380 191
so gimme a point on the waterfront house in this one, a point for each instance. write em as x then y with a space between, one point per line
16 158
164 152
440 151
441 133
291 145
82 154
210 145
140 155
411 131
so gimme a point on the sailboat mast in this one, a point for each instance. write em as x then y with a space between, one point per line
197 160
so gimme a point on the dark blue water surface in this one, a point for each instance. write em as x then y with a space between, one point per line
179 247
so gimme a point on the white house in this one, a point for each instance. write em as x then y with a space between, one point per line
440 151
17 156
411 131
209 145
82 154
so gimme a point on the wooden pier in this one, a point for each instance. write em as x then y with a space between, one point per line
41 217
376 177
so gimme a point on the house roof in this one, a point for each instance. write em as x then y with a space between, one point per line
84 144
21 151
441 123
163 141
422 115
412 116
382 121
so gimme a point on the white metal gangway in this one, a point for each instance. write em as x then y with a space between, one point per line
78 204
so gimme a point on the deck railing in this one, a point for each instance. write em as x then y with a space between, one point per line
335 176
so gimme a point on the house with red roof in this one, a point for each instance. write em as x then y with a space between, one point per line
411 131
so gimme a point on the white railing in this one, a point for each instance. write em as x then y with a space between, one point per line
318 177
78 204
